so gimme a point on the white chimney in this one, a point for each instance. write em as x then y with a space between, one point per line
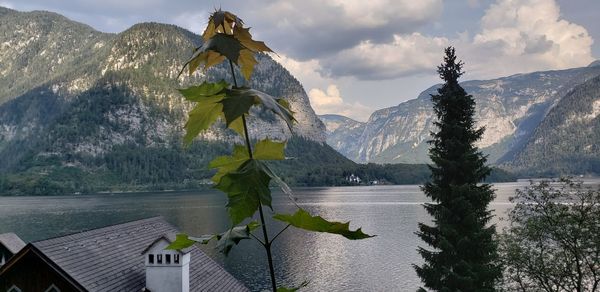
166 270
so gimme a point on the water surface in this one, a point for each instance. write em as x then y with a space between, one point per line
329 262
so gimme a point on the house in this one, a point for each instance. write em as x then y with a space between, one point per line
353 178
123 257
10 244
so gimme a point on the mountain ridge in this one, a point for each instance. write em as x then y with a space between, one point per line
510 108
84 111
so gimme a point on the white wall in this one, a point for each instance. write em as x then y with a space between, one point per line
167 277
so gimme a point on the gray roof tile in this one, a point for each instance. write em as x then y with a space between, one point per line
12 242
110 258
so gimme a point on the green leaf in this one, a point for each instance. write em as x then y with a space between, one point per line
202 116
204 90
234 106
225 240
244 94
294 289
231 237
182 241
229 163
282 185
269 150
302 219
246 188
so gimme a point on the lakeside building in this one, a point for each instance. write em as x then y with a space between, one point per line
10 244
123 257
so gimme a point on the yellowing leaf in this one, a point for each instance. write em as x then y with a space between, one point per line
213 58
243 35
237 125
195 62
223 21
221 45
209 31
246 61
302 219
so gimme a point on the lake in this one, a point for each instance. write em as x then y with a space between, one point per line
329 262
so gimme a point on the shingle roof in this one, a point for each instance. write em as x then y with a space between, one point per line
12 242
110 258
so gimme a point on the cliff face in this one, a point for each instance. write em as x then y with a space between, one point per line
510 109
567 140
72 95
342 133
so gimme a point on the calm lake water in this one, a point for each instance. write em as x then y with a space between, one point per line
329 262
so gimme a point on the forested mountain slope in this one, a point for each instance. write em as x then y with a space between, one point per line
82 110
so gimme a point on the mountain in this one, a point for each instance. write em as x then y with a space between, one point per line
567 140
511 108
82 110
341 132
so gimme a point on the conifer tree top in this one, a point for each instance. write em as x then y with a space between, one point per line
450 70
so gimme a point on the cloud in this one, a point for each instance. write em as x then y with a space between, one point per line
366 40
308 72
527 35
515 36
330 102
405 55
313 28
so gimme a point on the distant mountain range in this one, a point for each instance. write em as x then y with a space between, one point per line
541 123
82 110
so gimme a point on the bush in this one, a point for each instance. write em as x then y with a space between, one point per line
553 241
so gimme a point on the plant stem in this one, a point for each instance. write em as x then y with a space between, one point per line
266 243
233 73
267 246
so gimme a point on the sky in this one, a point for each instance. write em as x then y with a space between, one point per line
355 56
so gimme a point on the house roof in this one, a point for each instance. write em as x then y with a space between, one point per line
110 258
12 242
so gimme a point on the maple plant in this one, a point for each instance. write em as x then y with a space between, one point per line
243 176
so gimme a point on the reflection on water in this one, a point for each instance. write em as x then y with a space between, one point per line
330 262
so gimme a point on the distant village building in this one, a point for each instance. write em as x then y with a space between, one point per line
123 257
353 178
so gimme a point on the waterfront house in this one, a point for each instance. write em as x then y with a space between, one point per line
123 257
10 244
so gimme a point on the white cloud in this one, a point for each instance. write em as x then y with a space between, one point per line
527 35
308 72
330 102
405 55
515 36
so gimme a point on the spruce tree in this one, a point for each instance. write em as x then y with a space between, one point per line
464 251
